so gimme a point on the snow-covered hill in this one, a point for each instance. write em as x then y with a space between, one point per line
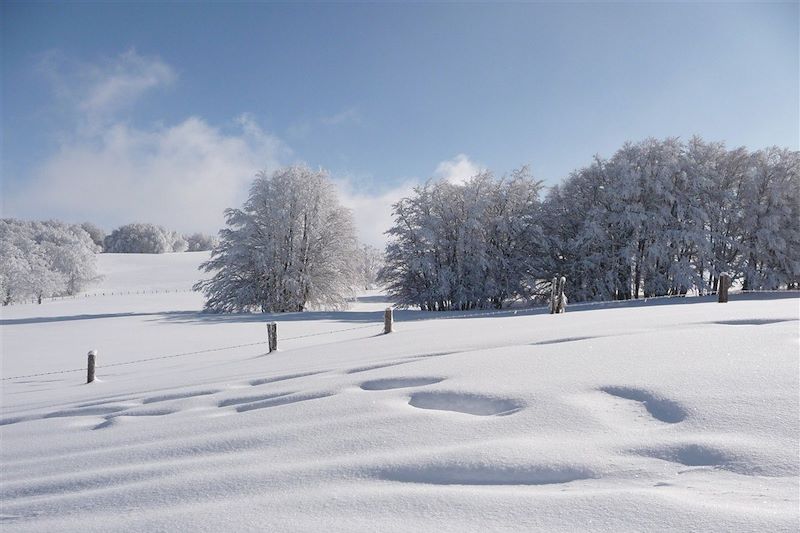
144 272
671 417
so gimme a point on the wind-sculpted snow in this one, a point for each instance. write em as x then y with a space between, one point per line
662 409
399 383
744 459
179 396
282 400
367 368
560 341
753 321
467 473
251 399
626 419
264 381
117 418
471 404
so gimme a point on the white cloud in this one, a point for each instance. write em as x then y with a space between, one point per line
95 92
372 213
122 81
456 170
182 176
110 172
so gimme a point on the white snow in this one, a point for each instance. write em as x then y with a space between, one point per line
147 272
650 418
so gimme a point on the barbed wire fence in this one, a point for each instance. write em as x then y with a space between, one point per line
98 294
430 316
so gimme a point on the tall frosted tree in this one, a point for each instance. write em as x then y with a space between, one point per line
770 245
291 246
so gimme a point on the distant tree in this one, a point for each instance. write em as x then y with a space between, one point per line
96 233
369 264
291 246
176 242
198 242
43 259
144 239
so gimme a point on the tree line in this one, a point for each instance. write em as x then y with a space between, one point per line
43 259
660 217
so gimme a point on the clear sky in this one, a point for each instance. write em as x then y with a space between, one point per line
163 112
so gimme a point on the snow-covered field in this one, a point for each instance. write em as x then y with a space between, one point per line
669 417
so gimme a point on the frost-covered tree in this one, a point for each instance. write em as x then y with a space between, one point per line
291 246
770 242
96 233
71 252
199 242
661 217
369 262
43 259
144 239
465 246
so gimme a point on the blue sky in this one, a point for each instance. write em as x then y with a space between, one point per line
163 112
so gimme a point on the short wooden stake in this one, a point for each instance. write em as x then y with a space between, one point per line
90 366
724 284
387 320
272 336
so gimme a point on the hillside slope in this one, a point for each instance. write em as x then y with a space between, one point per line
673 417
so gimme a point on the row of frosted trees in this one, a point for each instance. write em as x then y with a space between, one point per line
43 259
660 217
466 246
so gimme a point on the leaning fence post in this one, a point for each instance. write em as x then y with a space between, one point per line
724 283
387 320
272 336
90 366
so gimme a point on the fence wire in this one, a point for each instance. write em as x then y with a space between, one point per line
446 315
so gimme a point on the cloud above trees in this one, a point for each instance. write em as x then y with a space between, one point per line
457 170
183 175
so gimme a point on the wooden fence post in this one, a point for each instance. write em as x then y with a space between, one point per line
558 302
272 336
724 284
561 302
388 317
90 366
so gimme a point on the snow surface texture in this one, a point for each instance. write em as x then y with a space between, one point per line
654 418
